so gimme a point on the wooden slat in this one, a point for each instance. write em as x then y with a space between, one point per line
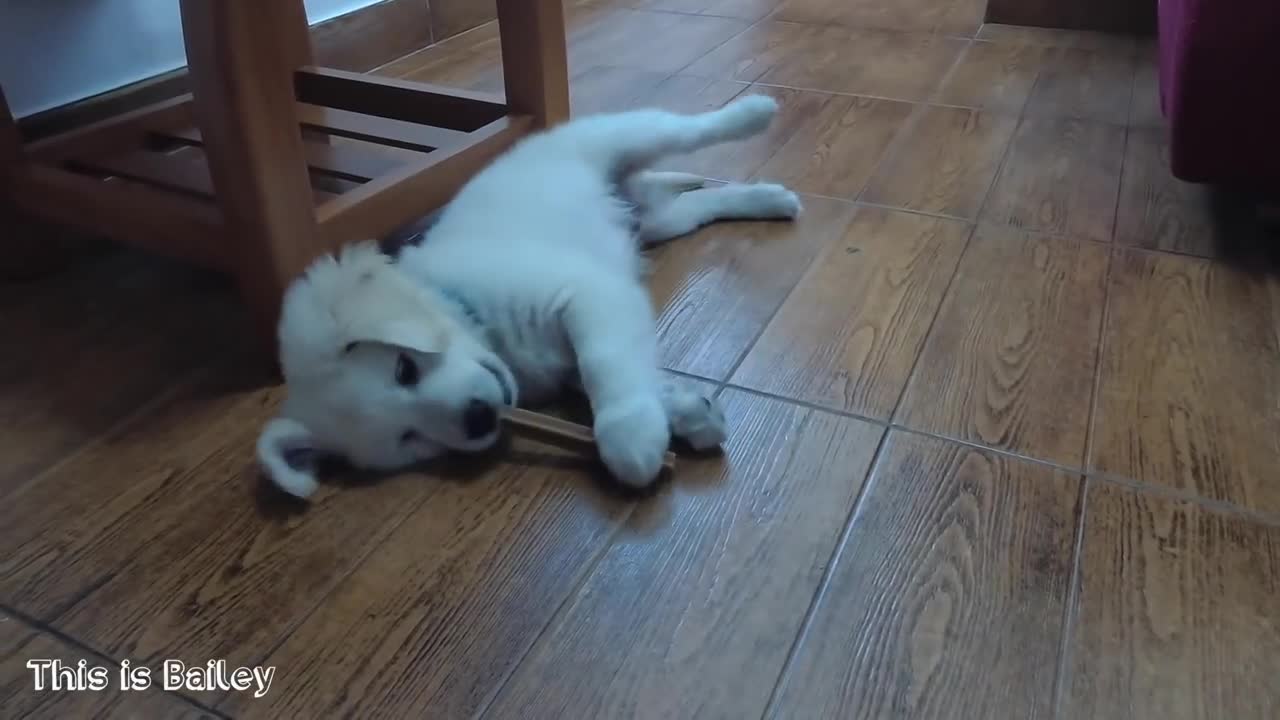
380 130
184 171
179 227
345 161
120 131
382 205
398 99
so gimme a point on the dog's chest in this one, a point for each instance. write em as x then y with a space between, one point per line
535 346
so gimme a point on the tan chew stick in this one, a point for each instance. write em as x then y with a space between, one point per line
563 431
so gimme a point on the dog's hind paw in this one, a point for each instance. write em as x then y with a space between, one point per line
748 115
774 201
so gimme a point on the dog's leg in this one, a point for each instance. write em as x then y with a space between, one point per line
611 329
687 212
623 143
693 417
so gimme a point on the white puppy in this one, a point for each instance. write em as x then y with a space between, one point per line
531 280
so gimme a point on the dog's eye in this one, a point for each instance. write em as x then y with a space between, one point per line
409 436
406 371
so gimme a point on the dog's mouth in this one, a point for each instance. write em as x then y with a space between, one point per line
508 392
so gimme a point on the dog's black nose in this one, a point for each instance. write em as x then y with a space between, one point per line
479 419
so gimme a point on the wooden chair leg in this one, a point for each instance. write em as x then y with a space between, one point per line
242 56
535 63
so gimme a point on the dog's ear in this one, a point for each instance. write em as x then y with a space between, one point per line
287 453
410 335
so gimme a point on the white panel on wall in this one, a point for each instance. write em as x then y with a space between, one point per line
54 52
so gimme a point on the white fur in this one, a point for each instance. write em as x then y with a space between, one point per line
542 246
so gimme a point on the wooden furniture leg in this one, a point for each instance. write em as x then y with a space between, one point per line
535 64
242 57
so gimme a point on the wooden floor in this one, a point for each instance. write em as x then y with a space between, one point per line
1005 434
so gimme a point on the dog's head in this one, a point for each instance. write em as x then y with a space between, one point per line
378 372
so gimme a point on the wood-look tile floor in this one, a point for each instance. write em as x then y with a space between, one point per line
1005 431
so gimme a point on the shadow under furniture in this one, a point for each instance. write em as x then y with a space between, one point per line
270 161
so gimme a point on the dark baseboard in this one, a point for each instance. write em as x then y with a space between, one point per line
1118 16
358 41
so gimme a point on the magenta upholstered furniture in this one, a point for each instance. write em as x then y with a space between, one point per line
1220 90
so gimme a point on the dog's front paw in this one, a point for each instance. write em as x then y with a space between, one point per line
696 419
632 438
749 115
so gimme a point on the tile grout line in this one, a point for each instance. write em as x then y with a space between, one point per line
1221 507
1213 505
824 583
1069 614
933 322
726 41
579 582
39 626
1090 433
1008 149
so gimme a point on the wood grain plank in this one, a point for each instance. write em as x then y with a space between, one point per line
95 347
447 605
177 550
993 76
1144 105
743 9
1177 613
597 36
717 289
741 160
1057 37
1158 211
1010 363
848 334
946 164
834 59
947 598
20 699
471 61
375 34
505 552
1061 176
658 41
450 17
693 610
65 536
836 149
954 17
1084 83
1189 388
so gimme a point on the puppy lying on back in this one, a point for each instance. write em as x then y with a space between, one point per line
530 282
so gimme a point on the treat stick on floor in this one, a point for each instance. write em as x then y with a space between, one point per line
563 431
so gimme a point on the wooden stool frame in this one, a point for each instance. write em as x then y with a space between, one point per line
270 161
